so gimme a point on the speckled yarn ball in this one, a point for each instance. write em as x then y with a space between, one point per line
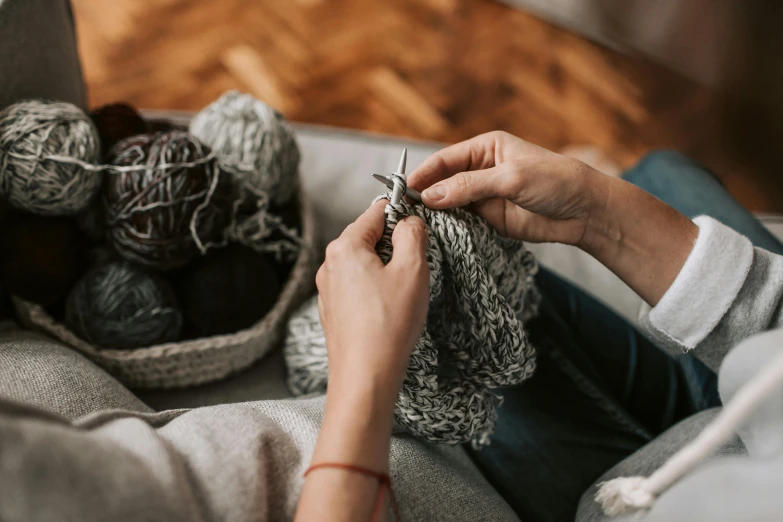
116 122
253 140
225 291
41 258
31 133
166 213
121 306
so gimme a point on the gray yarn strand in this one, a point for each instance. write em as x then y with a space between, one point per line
481 293
33 131
252 140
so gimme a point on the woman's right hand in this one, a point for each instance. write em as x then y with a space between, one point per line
525 191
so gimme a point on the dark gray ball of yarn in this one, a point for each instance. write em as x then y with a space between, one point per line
121 306
226 290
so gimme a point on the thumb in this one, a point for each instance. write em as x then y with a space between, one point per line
409 241
467 187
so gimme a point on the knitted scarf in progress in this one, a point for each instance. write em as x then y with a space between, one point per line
481 293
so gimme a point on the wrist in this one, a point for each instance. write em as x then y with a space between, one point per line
602 230
357 427
371 396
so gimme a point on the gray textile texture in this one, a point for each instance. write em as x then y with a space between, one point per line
651 457
237 462
40 372
756 308
265 380
38 55
731 487
481 292
742 299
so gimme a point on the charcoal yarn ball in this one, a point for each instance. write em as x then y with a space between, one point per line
254 141
225 291
6 308
116 122
37 140
41 258
170 203
121 306
156 125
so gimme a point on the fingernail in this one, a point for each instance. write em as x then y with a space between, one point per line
435 193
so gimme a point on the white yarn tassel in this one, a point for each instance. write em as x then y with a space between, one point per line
624 494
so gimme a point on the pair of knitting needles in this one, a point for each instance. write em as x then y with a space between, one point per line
400 188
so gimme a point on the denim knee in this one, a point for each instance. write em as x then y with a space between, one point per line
664 165
662 171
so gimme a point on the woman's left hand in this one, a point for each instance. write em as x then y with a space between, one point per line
373 314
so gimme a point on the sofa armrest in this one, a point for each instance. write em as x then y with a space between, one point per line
38 56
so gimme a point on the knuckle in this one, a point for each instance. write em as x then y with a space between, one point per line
463 182
499 135
336 249
320 277
508 183
330 250
415 225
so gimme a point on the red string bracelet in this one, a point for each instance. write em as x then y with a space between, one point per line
384 483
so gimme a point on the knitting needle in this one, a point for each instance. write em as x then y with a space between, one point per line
393 182
399 188
414 194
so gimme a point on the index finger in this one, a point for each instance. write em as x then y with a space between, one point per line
368 228
473 154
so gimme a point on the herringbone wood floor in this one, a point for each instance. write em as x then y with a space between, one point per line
434 69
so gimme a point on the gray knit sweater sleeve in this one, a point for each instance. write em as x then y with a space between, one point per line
726 291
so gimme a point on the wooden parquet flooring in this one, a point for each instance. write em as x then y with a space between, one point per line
431 69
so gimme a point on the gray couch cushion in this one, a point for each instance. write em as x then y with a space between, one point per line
41 372
38 55
650 458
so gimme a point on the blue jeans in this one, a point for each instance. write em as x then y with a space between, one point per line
602 390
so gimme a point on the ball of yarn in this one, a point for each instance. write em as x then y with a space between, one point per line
119 305
156 125
5 207
40 257
92 222
6 308
37 138
290 214
253 140
227 290
116 122
169 203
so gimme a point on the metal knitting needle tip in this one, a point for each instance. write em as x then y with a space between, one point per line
399 180
414 194
386 180
403 161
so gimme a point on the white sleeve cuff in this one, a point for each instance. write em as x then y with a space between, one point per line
706 286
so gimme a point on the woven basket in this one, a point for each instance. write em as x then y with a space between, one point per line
189 363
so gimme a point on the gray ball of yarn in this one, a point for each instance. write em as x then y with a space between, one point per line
37 140
119 305
253 141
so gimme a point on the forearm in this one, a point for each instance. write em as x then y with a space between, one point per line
356 430
641 239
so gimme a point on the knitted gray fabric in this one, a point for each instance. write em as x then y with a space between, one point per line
481 293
